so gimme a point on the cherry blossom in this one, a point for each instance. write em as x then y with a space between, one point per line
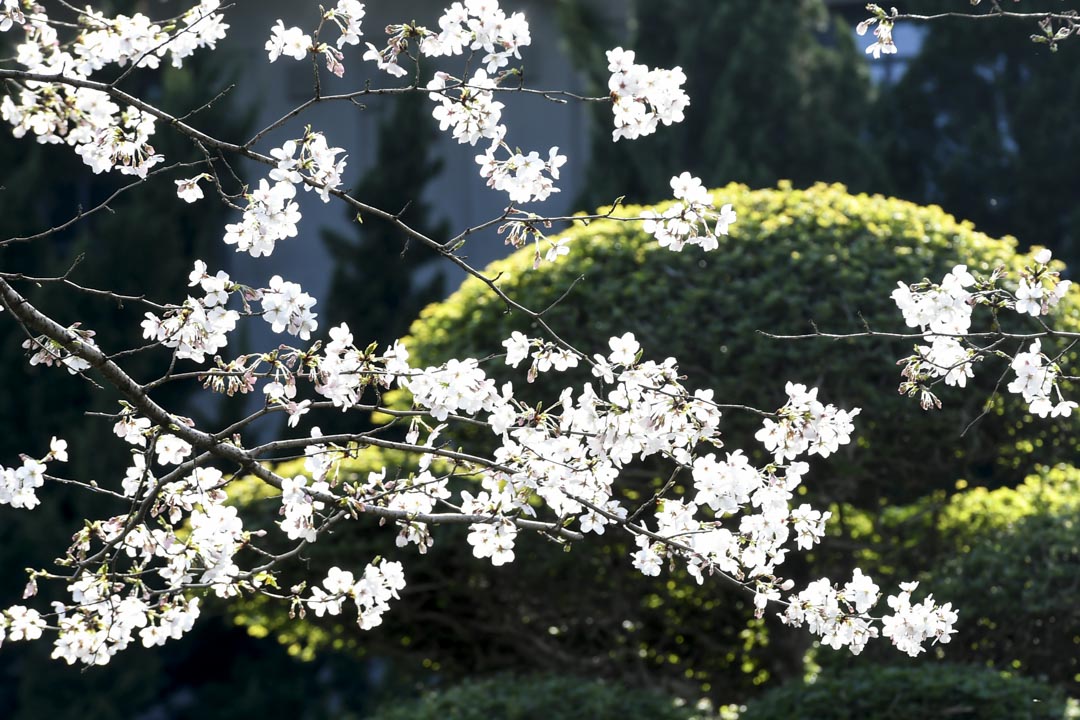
288 309
188 190
479 25
688 221
472 113
554 466
271 215
642 97
347 15
292 42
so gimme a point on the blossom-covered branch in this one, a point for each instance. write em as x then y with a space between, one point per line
555 468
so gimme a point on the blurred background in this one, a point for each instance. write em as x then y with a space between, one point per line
971 117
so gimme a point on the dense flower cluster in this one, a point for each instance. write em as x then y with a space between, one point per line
317 161
198 327
18 485
525 178
479 26
473 113
1036 380
105 135
805 425
943 313
643 98
271 215
371 594
688 221
288 308
740 523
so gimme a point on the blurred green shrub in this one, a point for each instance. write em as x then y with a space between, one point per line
1008 560
538 698
924 690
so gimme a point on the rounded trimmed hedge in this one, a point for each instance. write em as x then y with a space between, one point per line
795 257
922 690
538 698
1016 588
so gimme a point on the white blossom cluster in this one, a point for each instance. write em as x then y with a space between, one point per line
271 215
545 355
299 506
293 42
739 523
345 371
456 386
19 622
472 25
195 540
142 42
525 178
46 351
470 111
479 26
98 624
943 313
317 161
288 308
643 98
371 594
840 615
1040 289
805 425
910 626
18 485
688 221
200 326
106 136
1036 381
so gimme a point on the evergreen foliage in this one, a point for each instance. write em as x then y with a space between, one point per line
538 698
915 691
983 123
